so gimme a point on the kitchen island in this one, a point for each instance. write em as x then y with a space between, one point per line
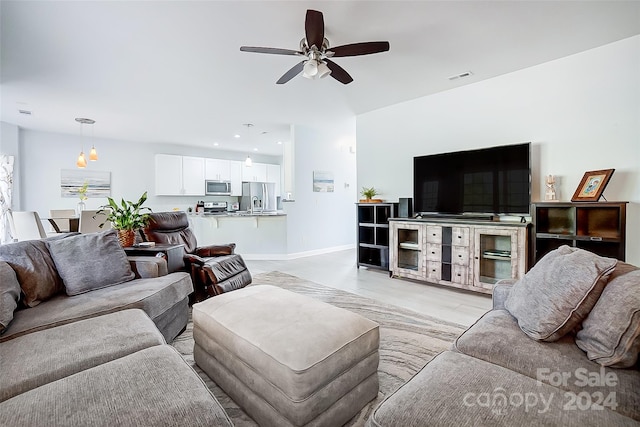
257 236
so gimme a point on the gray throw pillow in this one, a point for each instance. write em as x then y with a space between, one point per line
90 261
9 295
34 268
610 334
558 292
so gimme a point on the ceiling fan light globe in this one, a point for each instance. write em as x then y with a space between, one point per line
323 70
310 69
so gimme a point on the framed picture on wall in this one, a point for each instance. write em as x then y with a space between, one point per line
592 185
322 182
98 183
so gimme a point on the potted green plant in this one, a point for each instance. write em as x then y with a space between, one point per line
369 194
126 217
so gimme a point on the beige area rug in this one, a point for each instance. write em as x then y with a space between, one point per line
408 340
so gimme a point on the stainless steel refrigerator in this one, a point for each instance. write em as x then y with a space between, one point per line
258 197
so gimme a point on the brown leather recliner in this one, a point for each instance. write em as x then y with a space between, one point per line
215 269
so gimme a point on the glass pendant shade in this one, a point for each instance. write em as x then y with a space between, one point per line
93 154
310 69
323 70
82 161
248 161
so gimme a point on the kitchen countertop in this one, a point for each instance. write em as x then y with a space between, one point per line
237 214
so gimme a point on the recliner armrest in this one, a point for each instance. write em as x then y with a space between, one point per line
215 250
193 259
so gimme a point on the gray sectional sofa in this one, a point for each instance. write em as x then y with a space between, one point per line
559 347
83 338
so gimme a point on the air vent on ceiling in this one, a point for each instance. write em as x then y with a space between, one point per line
25 112
461 75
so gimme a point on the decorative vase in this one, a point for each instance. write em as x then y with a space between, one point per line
126 237
81 206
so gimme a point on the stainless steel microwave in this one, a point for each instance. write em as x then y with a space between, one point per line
218 188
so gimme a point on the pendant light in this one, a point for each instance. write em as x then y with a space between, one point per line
248 162
93 154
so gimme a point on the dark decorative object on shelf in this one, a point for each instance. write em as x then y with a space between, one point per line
592 186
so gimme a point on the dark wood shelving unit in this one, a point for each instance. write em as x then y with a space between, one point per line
373 233
599 227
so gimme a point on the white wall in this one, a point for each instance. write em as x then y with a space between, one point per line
323 220
581 113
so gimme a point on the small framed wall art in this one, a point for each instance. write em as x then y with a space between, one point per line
592 186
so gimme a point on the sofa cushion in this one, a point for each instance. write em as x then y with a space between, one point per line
45 356
155 296
9 294
611 332
152 387
496 338
558 292
34 268
90 261
456 389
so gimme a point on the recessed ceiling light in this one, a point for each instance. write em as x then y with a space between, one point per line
279 142
255 149
236 136
215 144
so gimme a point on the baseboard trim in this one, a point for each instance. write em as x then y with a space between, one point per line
285 257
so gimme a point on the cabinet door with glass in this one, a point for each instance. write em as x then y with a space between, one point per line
496 255
408 257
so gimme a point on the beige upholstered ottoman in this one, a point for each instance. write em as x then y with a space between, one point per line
287 359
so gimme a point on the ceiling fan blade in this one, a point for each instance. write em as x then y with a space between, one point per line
357 49
314 28
338 73
297 69
272 50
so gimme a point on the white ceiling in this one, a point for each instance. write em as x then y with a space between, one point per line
172 71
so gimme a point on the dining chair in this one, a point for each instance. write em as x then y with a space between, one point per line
27 226
59 219
90 222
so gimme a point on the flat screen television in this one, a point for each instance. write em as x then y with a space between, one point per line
489 181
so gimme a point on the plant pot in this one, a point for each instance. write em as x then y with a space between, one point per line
126 237
370 200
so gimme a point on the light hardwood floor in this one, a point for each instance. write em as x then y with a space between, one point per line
338 270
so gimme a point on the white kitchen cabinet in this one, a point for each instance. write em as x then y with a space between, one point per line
179 175
193 176
235 170
257 172
218 169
